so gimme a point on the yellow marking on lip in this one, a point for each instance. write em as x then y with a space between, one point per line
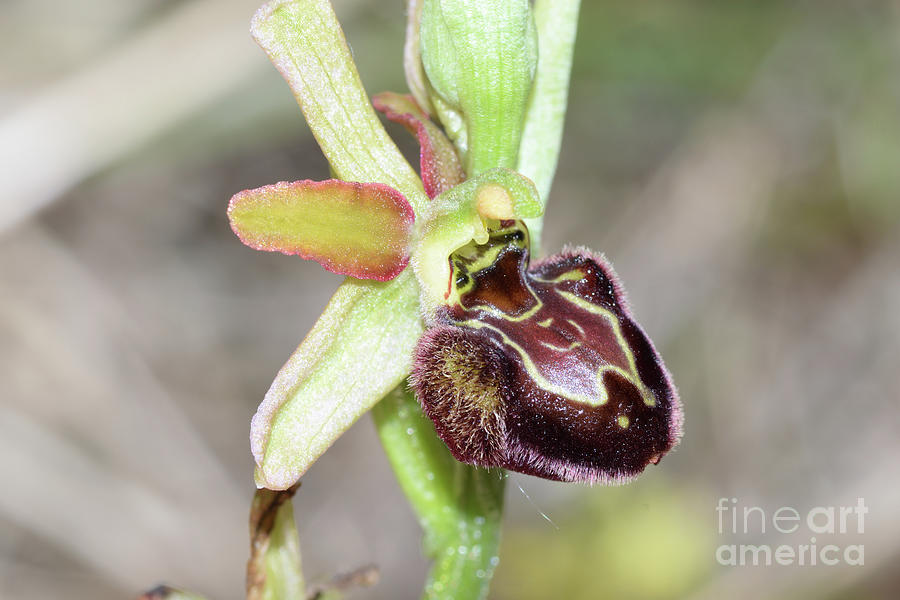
499 314
568 348
623 421
544 384
488 258
633 377
536 376
479 260
576 326
573 275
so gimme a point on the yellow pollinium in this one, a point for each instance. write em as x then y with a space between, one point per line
493 201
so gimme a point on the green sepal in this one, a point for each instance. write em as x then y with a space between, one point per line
305 42
359 349
458 506
480 58
462 214
557 22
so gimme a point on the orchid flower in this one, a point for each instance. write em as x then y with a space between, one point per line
473 358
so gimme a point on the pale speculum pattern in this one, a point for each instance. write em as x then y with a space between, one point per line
542 370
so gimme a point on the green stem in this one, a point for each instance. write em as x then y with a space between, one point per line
459 506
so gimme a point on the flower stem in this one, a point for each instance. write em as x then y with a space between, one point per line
459 506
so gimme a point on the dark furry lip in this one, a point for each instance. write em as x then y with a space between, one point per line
542 369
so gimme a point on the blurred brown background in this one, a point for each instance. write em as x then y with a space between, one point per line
739 163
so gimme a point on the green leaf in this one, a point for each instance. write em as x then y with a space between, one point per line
458 506
480 58
305 42
439 164
458 216
274 570
359 349
557 21
357 229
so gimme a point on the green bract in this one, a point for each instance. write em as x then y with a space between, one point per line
273 571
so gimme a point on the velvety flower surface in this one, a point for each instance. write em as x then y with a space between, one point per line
542 370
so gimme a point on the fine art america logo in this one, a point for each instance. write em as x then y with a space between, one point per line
792 533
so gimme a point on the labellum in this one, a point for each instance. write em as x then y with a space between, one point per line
541 369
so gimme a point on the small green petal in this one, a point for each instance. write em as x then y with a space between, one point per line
439 163
305 42
480 57
274 569
359 350
357 229
459 216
